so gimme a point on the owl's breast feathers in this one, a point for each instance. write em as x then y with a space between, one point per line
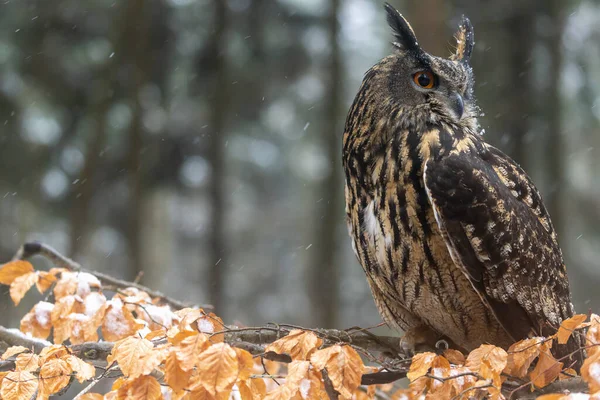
451 232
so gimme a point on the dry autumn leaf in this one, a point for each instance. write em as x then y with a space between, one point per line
496 358
13 350
245 363
18 385
252 389
297 371
590 372
547 368
21 285
38 321
12 270
217 369
521 355
420 365
45 281
298 344
190 348
54 351
175 377
27 362
592 337
91 396
54 376
344 367
142 388
568 326
84 371
454 356
118 322
129 354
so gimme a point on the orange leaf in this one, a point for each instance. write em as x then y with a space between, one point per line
129 354
27 362
568 326
52 352
454 356
21 285
344 367
297 371
298 344
45 280
66 285
18 385
142 388
590 372
252 389
118 322
495 358
91 396
12 270
245 362
38 321
189 349
11 351
592 337
54 376
217 369
521 355
154 359
175 377
420 365
83 370
547 368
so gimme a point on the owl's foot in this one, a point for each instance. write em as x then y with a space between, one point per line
422 339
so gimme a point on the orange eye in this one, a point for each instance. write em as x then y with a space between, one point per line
424 79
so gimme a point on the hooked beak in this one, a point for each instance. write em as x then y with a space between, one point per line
457 104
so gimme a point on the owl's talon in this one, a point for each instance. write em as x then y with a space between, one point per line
442 345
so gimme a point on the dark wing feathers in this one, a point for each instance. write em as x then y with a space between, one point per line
507 248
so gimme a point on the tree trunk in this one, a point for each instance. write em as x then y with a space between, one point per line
323 271
216 148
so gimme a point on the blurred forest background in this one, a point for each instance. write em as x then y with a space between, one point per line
199 141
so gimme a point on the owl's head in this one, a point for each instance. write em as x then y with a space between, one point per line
419 89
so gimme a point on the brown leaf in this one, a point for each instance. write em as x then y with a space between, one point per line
66 285
13 350
521 355
142 388
494 356
547 368
245 362
118 322
175 377
12 270
217 369
91 396
129 354
27 362
151 361
252 389
344 367
298 344
52 352
18 385
454 356
45 280
21 285
420 365
590 372
54 376
297 371
189 349
592 337
82 369
568 326
38 321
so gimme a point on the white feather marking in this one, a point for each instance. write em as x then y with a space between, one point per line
370 221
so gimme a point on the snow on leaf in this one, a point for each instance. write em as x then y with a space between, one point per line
521 355
118 321
83 370
344 367
297 371
592 337
27 362
12 270
82 329
21 285
66 285
142 388
54 376
129 354
547 368
420 365
568 326
217 369
18 385
298 344
45 280
11 351
590 372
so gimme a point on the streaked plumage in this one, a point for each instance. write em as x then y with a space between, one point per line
453 236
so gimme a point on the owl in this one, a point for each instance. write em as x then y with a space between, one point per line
455 241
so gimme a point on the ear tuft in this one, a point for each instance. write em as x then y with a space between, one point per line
465 41
403 32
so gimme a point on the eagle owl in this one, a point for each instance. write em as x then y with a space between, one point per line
453 236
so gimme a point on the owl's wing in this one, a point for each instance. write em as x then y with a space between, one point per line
498 231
